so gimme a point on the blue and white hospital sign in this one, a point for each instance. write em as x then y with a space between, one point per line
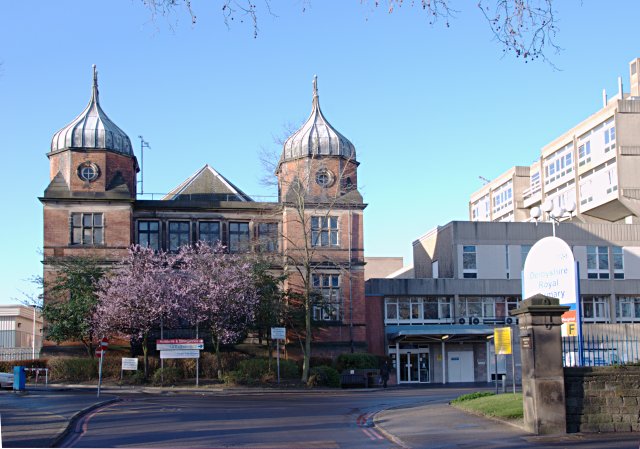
550 270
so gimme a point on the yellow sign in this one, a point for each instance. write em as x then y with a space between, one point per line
502 340
569 329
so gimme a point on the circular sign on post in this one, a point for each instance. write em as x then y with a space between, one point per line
99 352
104 342
550 270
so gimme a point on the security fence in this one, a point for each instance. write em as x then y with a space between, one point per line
603 345
10 354
19 345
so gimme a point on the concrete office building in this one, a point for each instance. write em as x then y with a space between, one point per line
437 327
20 332
593 165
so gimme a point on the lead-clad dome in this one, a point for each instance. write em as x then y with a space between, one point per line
92 129
317 137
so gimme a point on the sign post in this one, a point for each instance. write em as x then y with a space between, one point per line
503 345
277 334
181 348
128 364
551 270
101 352
513 368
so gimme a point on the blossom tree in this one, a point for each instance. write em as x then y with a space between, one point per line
218 289
137 297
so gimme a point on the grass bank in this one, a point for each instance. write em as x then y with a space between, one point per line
504 406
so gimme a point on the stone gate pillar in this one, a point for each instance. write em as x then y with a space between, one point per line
542 371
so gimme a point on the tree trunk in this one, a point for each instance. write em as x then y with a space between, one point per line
145 352
216 348
307 325
88 346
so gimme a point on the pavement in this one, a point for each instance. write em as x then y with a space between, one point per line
38 418
440 426
42 417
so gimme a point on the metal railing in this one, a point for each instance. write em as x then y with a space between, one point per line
604 345
12 354
200 197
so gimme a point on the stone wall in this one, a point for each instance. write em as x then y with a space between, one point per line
603 399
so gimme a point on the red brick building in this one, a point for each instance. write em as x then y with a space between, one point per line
91 207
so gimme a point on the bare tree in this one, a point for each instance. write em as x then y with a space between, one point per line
526 28
311 209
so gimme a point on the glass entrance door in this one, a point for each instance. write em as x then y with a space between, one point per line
414 367
423 364
408 367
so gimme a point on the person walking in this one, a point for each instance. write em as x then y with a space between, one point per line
384 373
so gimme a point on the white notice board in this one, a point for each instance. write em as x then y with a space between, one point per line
129 364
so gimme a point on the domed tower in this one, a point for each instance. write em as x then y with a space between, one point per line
92 154
322 227
318 159
88 202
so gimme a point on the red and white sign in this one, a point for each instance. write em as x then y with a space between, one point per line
180 341
99 352
569 316
104 342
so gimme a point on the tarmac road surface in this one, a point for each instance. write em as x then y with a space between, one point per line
394 418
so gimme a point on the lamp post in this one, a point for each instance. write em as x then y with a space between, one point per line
554 213
33 336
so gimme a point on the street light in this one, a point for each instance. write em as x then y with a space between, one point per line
33 336
554 212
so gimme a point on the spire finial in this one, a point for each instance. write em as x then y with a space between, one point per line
94 88
315 85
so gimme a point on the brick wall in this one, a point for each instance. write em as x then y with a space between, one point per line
117 224
109 163
603 399
305 169
375 324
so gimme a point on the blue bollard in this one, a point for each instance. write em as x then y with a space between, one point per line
19 378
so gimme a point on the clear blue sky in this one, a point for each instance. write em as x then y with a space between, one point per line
429 108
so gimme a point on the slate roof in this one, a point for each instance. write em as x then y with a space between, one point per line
208 185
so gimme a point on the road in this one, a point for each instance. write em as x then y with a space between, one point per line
331 419
417 418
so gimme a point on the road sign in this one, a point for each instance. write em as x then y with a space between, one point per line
129 364
181 354
99 352
278 333
177 346
180 341
104 342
